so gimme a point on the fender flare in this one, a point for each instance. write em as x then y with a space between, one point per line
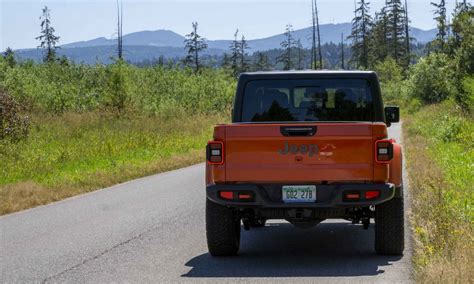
396 169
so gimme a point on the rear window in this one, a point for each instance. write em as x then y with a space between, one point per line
307 100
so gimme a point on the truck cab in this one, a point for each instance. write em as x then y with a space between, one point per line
305 146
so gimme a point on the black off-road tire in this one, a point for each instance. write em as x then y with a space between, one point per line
222 230
389 227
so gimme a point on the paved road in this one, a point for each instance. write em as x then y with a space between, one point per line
152 230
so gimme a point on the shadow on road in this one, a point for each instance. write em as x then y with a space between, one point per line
281 250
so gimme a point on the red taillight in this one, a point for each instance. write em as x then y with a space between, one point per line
371 194
383 151
226 195
245 196
215 152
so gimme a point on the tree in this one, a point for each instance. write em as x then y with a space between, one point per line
287 45
243 54
47 38
320 54
300 56
396 30
119 29
342 51
441 20
313 43
407 30
378 38
9 57
262 62
195 44
360 35
235 47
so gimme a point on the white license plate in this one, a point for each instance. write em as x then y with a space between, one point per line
298 193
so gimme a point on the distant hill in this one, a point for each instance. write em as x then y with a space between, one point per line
144 45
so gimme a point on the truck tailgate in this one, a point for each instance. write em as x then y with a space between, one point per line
267 153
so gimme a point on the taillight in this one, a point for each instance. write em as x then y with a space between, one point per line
215 152
383 151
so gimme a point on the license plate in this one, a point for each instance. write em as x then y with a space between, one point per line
299 193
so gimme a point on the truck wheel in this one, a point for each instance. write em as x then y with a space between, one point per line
389 227
222 229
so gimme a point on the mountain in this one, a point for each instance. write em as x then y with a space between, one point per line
144 45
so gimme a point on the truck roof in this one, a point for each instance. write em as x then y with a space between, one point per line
356 74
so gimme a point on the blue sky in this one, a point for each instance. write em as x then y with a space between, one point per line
76 20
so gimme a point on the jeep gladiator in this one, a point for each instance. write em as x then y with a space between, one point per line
305 146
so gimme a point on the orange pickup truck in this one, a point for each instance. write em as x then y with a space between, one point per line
305 146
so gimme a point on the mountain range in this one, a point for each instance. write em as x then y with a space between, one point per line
139 46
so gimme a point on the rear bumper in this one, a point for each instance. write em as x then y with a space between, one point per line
327 195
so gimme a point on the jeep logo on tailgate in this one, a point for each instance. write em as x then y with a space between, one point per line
310 149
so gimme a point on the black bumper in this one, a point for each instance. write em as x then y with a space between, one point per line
327 195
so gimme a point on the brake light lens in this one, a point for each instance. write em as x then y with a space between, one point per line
371 194
383 151
229 195
215 152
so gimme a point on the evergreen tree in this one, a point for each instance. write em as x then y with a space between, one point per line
300 56
396 31
225 61
319 35
441 20
235 47
342 52
9 57
262 62
119 30
243 54
195 44
47 38
360 35
378 38
287 45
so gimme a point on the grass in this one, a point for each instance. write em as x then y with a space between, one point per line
439 144
74 153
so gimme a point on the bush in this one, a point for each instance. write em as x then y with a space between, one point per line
14 126
432 79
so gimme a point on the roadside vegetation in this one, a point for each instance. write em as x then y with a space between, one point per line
69 128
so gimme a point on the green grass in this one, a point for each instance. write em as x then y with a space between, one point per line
75 153
439 143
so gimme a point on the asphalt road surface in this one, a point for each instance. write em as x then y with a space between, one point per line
152 230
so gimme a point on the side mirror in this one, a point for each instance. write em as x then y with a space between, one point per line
392 114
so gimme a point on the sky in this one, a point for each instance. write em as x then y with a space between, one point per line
77 20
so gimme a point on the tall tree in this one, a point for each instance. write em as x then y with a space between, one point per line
195 44
119 29
396 30
342 51
407 30
47 38
300 56
320 54
287 45
243 54
361 25
441 20
313 42
235 54
378 42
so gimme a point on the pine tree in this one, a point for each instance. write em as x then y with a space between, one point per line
47 38
361 25
441 20
262 62
378 42
9 57
396 30
243 54
119 30
235 47
342 52
195 44
300 56
320 54
287 45
313 42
